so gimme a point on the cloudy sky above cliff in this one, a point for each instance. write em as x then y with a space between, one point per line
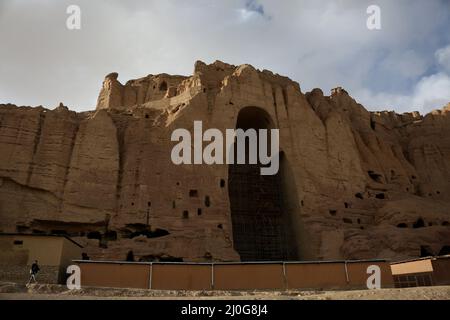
404 66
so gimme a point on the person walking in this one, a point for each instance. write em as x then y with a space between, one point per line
33 272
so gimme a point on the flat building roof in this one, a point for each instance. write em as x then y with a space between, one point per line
40 235
421 259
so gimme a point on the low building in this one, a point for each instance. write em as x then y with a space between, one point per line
429 271
53 253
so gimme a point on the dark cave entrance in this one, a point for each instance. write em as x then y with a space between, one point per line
262 207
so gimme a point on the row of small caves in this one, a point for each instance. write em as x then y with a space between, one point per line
379 195
163 87
193 193
135 230
101 232
379 178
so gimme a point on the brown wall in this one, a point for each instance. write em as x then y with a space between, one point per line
115 275
248 276
181 277
358 274
441 274
70 251
53 253
334 276
307 276
47 250
231 276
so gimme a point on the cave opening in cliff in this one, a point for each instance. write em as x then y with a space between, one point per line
444 251
163 86
262 207
426 251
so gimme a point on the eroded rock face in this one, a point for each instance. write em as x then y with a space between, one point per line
355 184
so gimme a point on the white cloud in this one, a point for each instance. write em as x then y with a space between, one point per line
432 92
443 57
246 15
322 44
429 93
408 64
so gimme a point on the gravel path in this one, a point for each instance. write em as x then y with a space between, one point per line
10 291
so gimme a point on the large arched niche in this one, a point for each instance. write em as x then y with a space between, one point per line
264 209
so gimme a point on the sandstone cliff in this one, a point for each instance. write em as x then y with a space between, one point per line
363 184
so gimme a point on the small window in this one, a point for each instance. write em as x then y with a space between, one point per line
425 251
163 86
207 201
222 183
419 224
18 242
111 235
185 214
380 196
444 251
375 176
94 235
59 232
199 212
193 193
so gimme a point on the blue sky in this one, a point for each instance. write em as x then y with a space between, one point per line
405 66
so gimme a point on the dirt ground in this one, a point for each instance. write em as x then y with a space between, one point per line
14 291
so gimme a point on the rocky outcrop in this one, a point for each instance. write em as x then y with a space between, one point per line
139 91
361 184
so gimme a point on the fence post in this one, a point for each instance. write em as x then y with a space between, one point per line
346 272
151 275
212 276
284 276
